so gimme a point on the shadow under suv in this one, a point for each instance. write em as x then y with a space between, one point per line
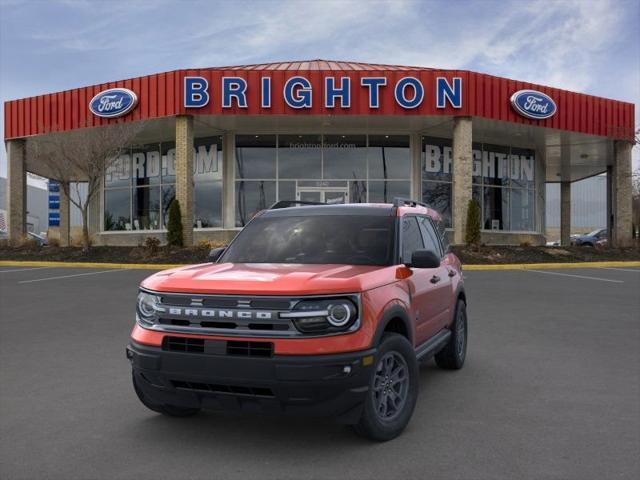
320 310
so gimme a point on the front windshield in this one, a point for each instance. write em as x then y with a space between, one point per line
594 233
315 239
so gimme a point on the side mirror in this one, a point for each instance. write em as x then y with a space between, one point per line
216 253
424 259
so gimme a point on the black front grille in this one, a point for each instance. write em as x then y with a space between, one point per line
183 344
216 388
218 347
249 349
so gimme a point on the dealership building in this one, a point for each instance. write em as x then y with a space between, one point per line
228 142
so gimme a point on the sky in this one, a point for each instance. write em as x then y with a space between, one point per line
581 45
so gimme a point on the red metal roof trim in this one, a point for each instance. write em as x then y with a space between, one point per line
160 95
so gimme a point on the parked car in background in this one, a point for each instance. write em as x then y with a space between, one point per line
41 239
590 239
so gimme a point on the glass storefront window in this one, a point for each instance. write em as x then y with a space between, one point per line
256 156
437 161
381 191
389 157
168 194
522 163
117 204
151 170
438 196
251 197
300 156
118 174
168 162
497 173
208 203
496 208
146 165
345 157
522 209
146 208
495 165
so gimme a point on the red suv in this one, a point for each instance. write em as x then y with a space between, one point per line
314 310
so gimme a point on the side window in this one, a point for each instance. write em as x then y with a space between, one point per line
429 235
411 238
442 233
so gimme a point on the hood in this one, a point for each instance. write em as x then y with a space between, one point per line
270 279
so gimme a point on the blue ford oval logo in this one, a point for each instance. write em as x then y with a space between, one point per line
533 104
114 102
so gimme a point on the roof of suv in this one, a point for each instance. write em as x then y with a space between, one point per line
377 209
356 209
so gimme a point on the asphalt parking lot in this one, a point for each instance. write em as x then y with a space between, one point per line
551 389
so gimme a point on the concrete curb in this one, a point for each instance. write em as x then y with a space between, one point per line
164 266
550 266
129 266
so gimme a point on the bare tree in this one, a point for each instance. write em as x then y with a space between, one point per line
84 156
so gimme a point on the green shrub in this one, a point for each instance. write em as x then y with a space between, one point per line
152 244
472 235
174 226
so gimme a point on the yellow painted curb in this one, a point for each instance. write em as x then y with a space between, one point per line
550 266
132 266
164 266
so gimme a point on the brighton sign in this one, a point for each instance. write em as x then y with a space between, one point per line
408 92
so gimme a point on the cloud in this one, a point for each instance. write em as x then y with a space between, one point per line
583 45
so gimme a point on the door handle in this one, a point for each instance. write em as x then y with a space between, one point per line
435 279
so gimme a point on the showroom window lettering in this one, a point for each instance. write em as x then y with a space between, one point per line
140 186
146 164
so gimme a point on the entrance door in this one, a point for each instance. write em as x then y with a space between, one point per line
331 195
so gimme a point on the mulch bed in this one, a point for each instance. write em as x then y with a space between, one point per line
513 254
481 255
107 254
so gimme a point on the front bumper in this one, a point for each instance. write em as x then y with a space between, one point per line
321 385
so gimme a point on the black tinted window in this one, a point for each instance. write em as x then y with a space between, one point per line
316 239
442 233
411 238
429 236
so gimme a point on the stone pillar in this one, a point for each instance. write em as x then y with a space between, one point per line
184 174
65 216
415 147
462 175
228 180
16 191
565 213
621 184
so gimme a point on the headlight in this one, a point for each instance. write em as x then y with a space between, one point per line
146 306
323 315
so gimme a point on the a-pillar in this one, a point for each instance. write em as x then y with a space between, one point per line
565 213
16 191
621 193
462 175
184 174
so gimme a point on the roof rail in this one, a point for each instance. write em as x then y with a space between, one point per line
292 203
407 202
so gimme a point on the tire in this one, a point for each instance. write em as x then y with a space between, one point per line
169 410
452 356
385 415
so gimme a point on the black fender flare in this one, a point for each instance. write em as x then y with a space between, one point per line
391 312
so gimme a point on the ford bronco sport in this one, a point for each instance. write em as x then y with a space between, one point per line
312 309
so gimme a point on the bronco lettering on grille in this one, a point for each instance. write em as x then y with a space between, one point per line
214 313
